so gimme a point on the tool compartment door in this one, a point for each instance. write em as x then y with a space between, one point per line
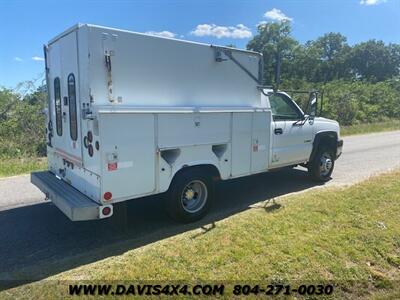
65 98
260 141
128 154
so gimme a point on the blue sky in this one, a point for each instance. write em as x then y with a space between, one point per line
27 25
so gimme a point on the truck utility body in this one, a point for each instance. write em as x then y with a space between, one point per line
131 115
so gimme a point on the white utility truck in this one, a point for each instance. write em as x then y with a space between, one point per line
131 115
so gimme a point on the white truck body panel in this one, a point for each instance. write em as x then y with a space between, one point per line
154 71
237 144
159 94
146 107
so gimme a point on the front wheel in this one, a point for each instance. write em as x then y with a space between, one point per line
321 167
190 196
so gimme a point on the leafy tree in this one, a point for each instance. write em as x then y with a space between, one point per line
374 61
7 102
330 51
273 40
22 123
327 58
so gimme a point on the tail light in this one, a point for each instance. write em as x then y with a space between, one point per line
106 210
107 196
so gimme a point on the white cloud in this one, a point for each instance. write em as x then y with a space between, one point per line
167 34
37 58
277 15
261 23
236 32
18 59
371 2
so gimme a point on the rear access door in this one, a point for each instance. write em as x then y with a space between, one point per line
64 98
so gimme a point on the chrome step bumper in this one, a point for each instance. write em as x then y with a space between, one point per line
75 205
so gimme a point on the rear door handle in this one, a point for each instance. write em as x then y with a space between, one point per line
278 131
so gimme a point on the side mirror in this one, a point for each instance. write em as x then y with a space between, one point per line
313 104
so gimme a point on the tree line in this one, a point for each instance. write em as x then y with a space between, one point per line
325 59
360 83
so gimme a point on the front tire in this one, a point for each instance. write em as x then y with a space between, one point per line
321 168
190 196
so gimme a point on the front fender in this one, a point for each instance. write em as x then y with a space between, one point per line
324 138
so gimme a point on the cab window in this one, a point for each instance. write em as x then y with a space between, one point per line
73 122
283 108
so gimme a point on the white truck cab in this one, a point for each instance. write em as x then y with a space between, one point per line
132 115
294 132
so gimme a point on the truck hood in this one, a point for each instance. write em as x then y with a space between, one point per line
325 120
324 124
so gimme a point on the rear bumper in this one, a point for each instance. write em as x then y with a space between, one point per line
75 205
339 148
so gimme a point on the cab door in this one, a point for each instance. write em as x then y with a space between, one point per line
64 92
291 140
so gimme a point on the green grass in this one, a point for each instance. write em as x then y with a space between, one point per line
370 127
16 166
349 236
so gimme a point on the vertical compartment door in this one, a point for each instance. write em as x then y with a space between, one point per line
260 141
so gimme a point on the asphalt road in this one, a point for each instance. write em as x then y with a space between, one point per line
37 240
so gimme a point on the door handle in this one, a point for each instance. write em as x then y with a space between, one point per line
278 131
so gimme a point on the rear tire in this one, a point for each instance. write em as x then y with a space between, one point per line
190 195
321 168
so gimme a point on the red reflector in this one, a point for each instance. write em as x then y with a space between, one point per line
107 196
112 166
106 211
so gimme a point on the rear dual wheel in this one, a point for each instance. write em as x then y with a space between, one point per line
190 195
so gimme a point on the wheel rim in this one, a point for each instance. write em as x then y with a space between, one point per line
326 164
194 196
